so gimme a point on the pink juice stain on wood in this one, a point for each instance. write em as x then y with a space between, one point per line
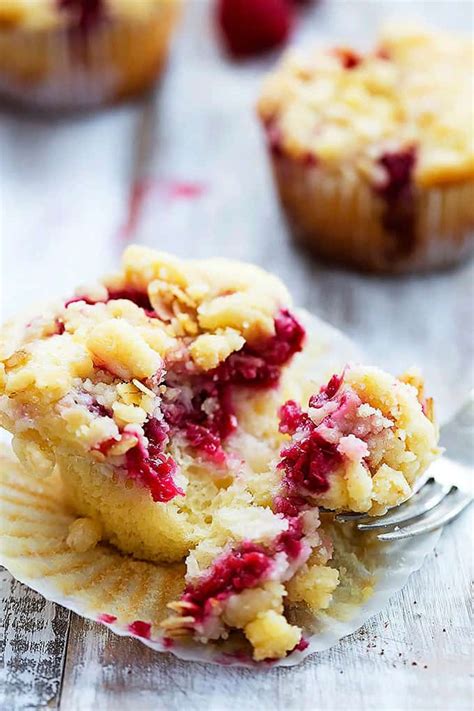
168 190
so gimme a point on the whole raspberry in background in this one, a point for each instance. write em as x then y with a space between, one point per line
251 27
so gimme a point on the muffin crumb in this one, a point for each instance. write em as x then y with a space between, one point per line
84 534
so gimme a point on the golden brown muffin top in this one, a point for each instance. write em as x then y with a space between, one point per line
413 92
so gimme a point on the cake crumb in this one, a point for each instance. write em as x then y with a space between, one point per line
84 534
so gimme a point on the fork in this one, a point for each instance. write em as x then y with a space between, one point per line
445 491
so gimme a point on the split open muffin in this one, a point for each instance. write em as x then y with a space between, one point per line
167 401
373 152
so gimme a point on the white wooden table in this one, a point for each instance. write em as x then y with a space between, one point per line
64 189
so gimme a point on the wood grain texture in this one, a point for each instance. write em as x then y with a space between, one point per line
64 184
32 646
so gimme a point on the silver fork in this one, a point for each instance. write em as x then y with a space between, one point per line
445 491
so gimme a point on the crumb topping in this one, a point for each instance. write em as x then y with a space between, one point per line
412 93
148 359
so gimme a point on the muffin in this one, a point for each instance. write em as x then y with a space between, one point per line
373 154
165 401
81 53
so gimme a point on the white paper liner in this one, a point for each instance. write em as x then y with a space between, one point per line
339 216
34 523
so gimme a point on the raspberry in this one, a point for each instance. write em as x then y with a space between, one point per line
254 26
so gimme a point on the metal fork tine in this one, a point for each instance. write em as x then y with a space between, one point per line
427 498
446 511
350 517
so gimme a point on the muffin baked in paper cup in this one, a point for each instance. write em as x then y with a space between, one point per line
61 60
375 182
317 203
130 596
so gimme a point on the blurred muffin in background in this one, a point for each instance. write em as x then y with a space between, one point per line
80 53
373 154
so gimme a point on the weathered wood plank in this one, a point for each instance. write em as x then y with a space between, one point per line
32 645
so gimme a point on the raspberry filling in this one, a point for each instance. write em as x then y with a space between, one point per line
203 410
95 408
242 568
146 461
321 443
290 541
289 506
309 459
398 195
260 365
150 465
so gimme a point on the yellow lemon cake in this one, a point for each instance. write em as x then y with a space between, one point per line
373 154
79 53
165 400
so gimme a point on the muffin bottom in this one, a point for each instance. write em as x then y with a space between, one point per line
341 218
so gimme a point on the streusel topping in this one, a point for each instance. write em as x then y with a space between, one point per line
153 354
412 93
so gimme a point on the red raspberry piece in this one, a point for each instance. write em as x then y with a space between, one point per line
254 26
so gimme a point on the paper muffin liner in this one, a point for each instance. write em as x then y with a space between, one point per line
130 596
61 68
340 217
